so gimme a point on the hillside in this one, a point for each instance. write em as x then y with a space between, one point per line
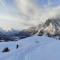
32 48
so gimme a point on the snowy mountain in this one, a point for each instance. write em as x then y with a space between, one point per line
32 48
50 28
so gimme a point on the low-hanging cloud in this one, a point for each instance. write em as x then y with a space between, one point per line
32 15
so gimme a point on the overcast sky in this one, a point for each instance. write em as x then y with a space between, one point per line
10 14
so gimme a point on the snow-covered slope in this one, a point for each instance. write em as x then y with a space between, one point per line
32 48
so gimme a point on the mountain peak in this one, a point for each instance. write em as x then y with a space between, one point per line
50 28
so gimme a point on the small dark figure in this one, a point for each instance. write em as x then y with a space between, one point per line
17 46
6 50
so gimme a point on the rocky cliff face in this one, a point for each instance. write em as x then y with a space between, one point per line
50 28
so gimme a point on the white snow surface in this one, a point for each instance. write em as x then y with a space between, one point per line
31 48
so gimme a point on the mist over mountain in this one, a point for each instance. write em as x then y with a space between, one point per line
31 14
50 28
26 13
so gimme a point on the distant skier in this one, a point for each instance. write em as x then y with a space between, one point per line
17 46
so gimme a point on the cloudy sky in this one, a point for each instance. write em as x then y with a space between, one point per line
20 14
